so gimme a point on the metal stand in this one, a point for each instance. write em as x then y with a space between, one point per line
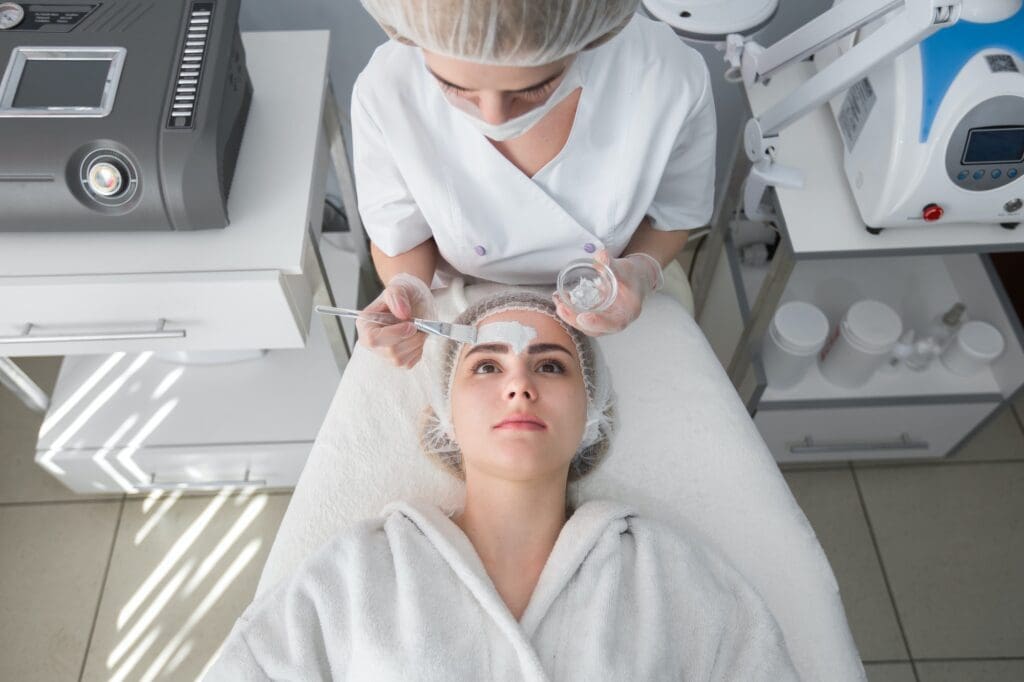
14 378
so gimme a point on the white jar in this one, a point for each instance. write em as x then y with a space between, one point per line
861 343
974 347
797 332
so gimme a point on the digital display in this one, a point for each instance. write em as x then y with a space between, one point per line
61 83
995 145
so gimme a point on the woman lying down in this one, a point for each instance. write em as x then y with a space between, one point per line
517 585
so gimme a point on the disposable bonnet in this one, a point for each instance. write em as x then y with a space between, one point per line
503 32
437 433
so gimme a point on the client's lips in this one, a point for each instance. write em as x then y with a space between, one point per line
525 422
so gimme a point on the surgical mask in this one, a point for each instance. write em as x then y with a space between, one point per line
514 127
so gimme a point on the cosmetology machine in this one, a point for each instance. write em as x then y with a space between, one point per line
119 114
928 96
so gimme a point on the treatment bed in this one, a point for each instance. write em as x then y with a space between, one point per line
686 452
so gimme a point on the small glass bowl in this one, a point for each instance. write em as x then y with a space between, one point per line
587 286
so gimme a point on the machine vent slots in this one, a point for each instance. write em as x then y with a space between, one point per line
190 66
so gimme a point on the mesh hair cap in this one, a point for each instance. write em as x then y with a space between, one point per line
503 32
437 433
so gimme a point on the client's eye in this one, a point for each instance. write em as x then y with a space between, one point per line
485 367
551 367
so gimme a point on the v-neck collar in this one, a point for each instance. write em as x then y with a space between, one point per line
582 109
576 539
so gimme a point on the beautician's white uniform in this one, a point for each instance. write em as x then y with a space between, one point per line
643 143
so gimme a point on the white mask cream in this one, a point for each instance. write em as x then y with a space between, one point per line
516 335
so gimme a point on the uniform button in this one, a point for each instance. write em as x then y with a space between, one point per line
480 250
589 248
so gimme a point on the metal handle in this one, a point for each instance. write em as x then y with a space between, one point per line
159 333
377 318
904 442
201 485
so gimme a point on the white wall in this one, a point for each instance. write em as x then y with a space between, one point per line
354 35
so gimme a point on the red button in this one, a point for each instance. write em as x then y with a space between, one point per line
932 212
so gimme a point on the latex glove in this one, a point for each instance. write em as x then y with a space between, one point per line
638 274
405 297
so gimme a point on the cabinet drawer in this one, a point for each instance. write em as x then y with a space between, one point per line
117 470
215 310
875 432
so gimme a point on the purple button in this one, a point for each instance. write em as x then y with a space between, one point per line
589 248
480 250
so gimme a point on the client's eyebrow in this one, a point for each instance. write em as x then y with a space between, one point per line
535 86
534 349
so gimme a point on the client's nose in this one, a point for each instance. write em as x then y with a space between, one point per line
520 385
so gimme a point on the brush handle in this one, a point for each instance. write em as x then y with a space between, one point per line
376 318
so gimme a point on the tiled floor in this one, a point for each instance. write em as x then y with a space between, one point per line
929 559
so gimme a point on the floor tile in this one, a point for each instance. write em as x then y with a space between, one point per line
890 672
21 479
951 540
182 571
1000 439
830 501
52 559
971 671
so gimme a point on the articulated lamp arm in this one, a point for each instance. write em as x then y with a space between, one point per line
917 20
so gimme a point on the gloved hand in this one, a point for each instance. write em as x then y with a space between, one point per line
638 274
405 297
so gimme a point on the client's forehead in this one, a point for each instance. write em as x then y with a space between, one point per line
548 330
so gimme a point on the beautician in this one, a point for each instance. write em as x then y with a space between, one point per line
498 141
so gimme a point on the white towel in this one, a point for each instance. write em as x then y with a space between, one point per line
407 598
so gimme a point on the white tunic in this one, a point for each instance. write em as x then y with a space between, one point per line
642 143
407 598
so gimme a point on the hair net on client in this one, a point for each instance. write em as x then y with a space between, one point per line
503 32
437 433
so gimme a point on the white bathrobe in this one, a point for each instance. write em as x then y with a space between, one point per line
406 597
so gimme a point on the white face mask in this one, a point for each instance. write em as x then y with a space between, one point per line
514 127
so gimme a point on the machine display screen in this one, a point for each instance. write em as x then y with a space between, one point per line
995 145
62 83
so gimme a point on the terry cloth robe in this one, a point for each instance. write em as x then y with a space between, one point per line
406 597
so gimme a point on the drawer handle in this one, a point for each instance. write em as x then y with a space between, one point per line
904 442
159 333
201 485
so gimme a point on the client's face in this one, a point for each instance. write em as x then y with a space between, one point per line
519 416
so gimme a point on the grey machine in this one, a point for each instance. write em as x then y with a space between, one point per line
119 114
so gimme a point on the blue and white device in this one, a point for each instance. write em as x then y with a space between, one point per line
936 135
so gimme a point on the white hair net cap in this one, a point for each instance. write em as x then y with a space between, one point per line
437 433
503 32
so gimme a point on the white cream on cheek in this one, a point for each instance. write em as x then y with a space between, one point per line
516 335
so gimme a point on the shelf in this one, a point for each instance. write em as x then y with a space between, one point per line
919 288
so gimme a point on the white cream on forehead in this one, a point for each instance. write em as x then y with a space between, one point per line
516 335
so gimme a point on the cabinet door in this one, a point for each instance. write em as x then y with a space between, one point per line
97 314
876 432
271 465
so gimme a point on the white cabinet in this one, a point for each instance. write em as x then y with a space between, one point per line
895 431
826 257
133 421
247 286
124 416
